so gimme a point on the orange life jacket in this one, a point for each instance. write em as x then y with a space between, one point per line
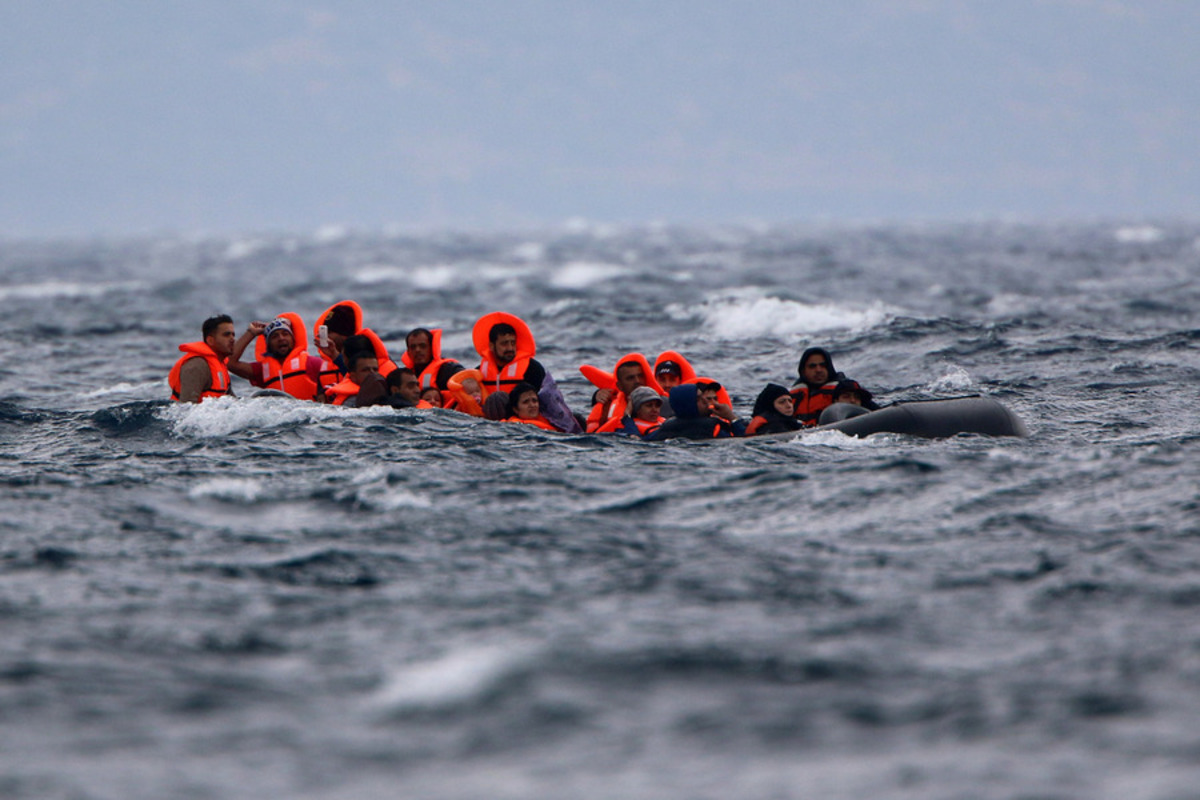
219 384
495 377
463 401
539 421
291 374
810 403
342 391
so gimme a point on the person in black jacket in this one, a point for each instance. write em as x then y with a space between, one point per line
698 415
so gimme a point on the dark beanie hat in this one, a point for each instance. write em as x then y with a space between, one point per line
340 320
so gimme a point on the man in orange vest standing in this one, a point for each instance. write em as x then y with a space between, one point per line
202 372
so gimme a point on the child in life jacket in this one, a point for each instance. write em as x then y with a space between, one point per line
643 413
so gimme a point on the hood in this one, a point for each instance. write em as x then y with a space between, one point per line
435 346
526 346
683 401
811 352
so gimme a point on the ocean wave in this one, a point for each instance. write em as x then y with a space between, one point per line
459 678
50 290
243 490
746 313
223 416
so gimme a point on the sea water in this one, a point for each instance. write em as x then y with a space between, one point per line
264 598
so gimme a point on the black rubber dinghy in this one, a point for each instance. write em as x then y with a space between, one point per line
931 419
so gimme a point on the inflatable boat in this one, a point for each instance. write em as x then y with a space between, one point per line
930 419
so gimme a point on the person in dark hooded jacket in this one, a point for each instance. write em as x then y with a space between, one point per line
773 412
813 391
698 415
848 391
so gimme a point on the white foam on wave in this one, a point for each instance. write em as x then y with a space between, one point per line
457 678
956 379
52 289
241 490
223 416
1138 234
529 252
435 276
149 390
371 488
583 274
836 439
747 313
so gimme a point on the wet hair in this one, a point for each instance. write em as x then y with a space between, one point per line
428 333
500 329
514 397
340 320
212 323
395 376
357 347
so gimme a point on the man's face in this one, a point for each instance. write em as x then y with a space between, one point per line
816 370
364 368
221 340
281 343
420 349
705 399
505 348
649 410
629 377
410 387
668 380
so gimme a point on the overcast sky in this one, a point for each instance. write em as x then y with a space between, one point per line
214 116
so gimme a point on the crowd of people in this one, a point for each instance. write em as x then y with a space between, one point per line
352 367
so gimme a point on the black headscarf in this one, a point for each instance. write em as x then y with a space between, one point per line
764 406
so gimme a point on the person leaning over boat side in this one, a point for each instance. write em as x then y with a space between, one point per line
202 371
773 412
642 413
506 350
523 406
698 415
813 390
282 361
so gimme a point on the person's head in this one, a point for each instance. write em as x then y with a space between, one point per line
775 398
645 404
342 324
850 392
420 347
669 374
502 339
684 400
629 377
403 381
523 402
219 334
433 396
816 366
472 387
362 365
706 397
280 337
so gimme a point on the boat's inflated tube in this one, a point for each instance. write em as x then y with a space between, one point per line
932 419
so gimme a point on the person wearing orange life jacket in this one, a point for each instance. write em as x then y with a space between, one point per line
506 350
642 417
282 361
466 389
341 321
813 391
698 415
362 375
202 371
612 395
423 355
523 406
773 412
672 369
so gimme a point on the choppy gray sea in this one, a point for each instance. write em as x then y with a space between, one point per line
259 598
